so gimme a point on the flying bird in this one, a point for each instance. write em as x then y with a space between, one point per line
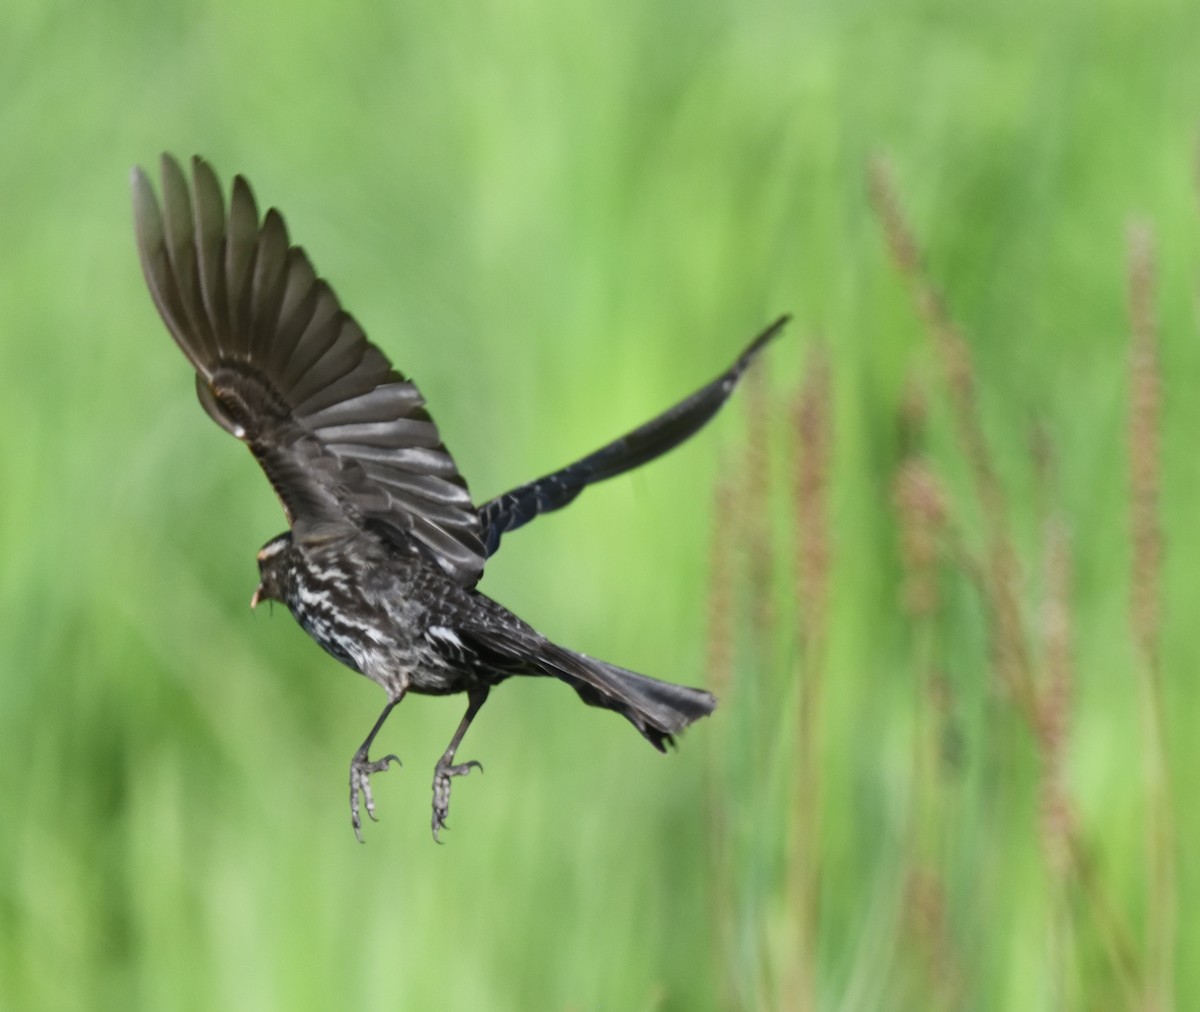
385 545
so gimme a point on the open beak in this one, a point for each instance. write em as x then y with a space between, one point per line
258 596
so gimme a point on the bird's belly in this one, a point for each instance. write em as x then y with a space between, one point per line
332 637
360 642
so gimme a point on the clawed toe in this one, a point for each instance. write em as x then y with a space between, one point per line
360 787
379 765
441 791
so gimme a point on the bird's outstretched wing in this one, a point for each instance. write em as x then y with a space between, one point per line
514 509
343 437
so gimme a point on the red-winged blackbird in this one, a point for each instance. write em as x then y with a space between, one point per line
385 546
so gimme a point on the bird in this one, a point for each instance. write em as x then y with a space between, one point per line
384 547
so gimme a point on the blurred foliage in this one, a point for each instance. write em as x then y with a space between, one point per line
558 217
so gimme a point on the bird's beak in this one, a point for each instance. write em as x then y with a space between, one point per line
258 596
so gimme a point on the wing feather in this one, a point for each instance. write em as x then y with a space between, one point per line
395 401
180 234
209 228
269 286
241 255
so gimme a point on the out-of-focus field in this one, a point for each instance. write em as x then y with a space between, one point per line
947 590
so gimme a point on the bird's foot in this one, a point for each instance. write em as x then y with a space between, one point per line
441 789
361 769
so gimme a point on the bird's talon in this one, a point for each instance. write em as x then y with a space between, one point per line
442 775
361 769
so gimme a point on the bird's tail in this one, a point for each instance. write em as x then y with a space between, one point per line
659 710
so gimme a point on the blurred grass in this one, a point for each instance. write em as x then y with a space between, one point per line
558 217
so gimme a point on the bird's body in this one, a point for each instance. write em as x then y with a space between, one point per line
388 614
385 547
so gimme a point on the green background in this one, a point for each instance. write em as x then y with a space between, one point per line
559 217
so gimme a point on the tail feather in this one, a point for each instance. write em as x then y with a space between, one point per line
659 710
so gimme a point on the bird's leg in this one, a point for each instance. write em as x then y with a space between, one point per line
361 769
446 769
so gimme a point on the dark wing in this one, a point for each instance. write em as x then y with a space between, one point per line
514 509
342 436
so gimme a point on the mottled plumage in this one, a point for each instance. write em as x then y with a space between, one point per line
385 546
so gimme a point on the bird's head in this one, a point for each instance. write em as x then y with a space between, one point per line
271 568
